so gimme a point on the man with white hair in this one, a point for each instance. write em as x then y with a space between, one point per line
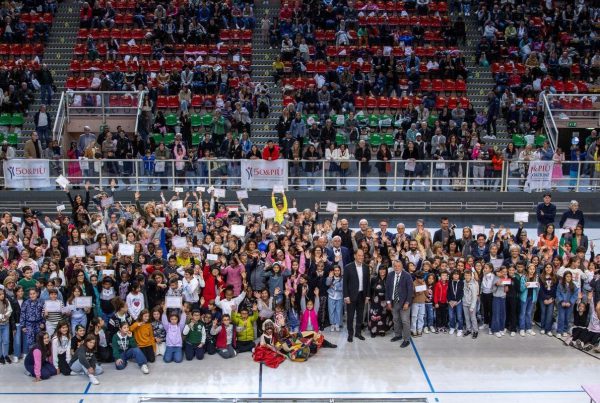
338 254
401 234
86 138
364 226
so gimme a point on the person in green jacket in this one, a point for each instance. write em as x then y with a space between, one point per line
195 337
125 348
244 324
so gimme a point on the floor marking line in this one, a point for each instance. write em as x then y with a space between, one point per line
260 375
422 366
87 389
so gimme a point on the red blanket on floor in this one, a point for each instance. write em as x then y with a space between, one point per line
267 356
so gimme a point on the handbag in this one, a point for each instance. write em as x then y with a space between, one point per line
344 165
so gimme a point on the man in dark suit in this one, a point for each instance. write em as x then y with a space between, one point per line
399 294
356 293
337 253
445 234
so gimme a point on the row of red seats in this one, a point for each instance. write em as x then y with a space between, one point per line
29 35
145 50
428 51
140 34
397 6
395 103
131 4
84 83
29 64
323 67
330 35
403 21
576 103
149 65
198 101
31 19
21 49
436 85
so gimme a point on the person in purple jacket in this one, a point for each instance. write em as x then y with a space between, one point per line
174 328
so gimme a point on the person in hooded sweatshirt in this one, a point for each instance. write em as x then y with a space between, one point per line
469 303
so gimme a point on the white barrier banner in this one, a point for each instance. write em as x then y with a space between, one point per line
260 174
26 173
539 176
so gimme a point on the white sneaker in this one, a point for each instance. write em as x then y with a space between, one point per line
565 334
426 330
512 334
531 332
499 334
15 359
490 331
481 326
94 380
549 334
522 333
542 331
145 369
459 333
451 332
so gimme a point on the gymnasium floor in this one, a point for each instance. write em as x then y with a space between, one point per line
440 368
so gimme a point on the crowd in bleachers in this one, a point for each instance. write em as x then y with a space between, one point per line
535 48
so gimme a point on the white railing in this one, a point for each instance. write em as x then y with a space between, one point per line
60 119
395 175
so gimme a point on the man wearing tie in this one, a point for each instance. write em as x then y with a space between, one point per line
356 293
337 253
399 294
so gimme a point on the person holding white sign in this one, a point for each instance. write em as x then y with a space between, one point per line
528 297
499 301
53 310
573 213
77 310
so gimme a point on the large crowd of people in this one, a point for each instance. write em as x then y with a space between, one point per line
185 278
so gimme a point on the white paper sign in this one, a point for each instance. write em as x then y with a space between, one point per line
219 193
233 208
108 272
254 208
196 251
160 220
77 251
238 230
278 189
100 259
421 288
242 194
211 189
178 190
177 204
269 213
570 223
331 207
200 189
16 220
292 210
211 257
173 302
507 281
52 306
62 182
496 262
83 302
179 242
107 202
126 249
532 284
48 233
189 224
478 229
60 207
522 216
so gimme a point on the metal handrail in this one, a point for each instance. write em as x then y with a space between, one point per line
226 174
59 121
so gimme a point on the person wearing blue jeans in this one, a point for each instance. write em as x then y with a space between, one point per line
499 301
566 297
546 297
4 339
455 308
335 300
528 296
174 326
125 348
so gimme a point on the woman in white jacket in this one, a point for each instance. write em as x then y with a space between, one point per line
342 156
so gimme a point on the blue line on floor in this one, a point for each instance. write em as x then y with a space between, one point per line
422 366
260 380
87 389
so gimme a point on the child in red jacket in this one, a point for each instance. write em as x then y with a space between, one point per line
440 302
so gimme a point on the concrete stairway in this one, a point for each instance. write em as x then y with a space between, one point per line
481 80
262 61
57 55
